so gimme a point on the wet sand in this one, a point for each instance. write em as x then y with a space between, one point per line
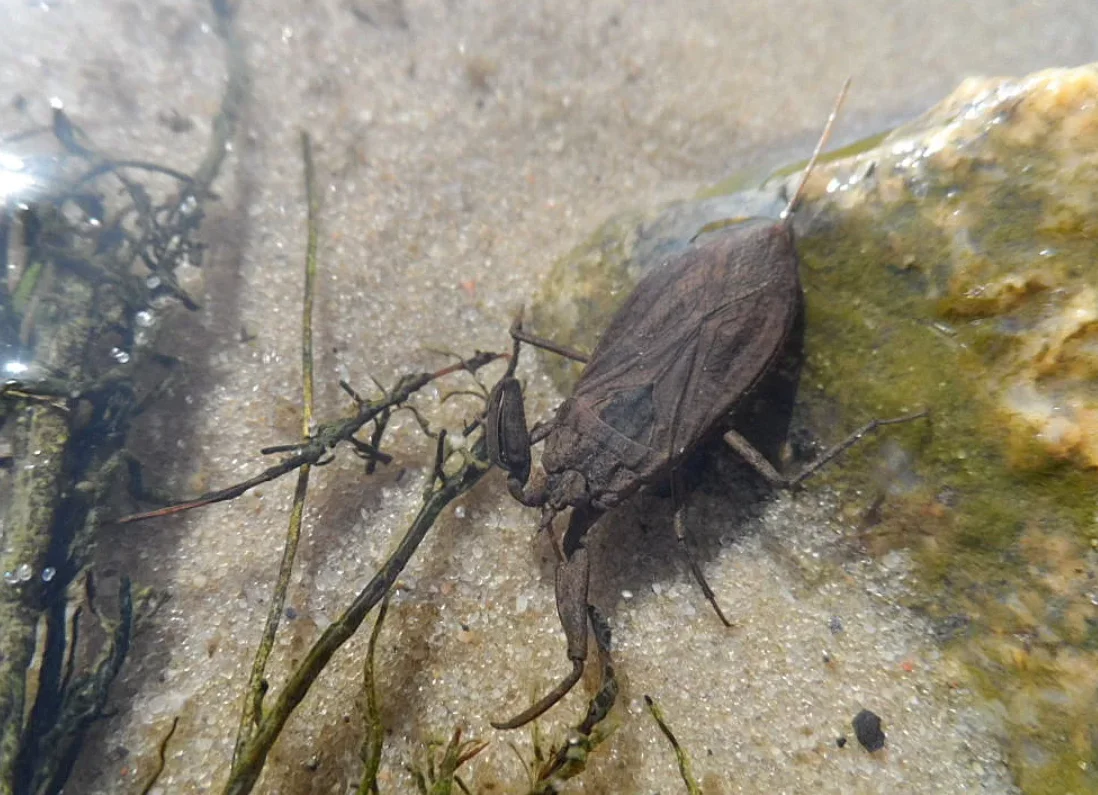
462 147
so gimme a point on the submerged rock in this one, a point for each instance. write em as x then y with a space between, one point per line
951 265
991 199
981 216
867 728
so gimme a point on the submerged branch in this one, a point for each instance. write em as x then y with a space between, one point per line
249 763
84 700
328 435
78 287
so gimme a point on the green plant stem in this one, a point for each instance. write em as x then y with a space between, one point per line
313 226
375 732
680 754
249 763
253 698
161 758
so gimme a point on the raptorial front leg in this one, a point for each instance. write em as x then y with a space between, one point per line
603 701
507 438
573 575
506 433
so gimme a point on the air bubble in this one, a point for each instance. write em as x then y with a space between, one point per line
48 573
120 356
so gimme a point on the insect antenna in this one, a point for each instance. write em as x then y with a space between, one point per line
787 213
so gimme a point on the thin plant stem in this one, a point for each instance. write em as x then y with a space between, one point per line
253 699
327 436
375 732
249 762
161 758
680 754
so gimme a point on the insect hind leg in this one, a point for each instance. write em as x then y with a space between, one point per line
758 462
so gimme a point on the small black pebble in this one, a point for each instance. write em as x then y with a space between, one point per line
835 625
841 742
867 727
290 613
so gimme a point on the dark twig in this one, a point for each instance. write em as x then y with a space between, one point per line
327 436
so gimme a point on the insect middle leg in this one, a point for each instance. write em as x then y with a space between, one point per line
518 333
776 479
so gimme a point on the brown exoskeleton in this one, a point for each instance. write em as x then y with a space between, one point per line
694 337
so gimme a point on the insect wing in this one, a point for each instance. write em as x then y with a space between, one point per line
695 335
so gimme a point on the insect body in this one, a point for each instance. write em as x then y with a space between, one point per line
692 339
684 349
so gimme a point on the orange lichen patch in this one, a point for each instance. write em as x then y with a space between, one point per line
1048 348
1054 108
1079 356
1040 428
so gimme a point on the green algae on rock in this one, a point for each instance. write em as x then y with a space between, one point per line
952 265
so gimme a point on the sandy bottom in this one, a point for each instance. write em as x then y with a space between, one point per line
462 147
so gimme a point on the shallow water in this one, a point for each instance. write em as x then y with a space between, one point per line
462 147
